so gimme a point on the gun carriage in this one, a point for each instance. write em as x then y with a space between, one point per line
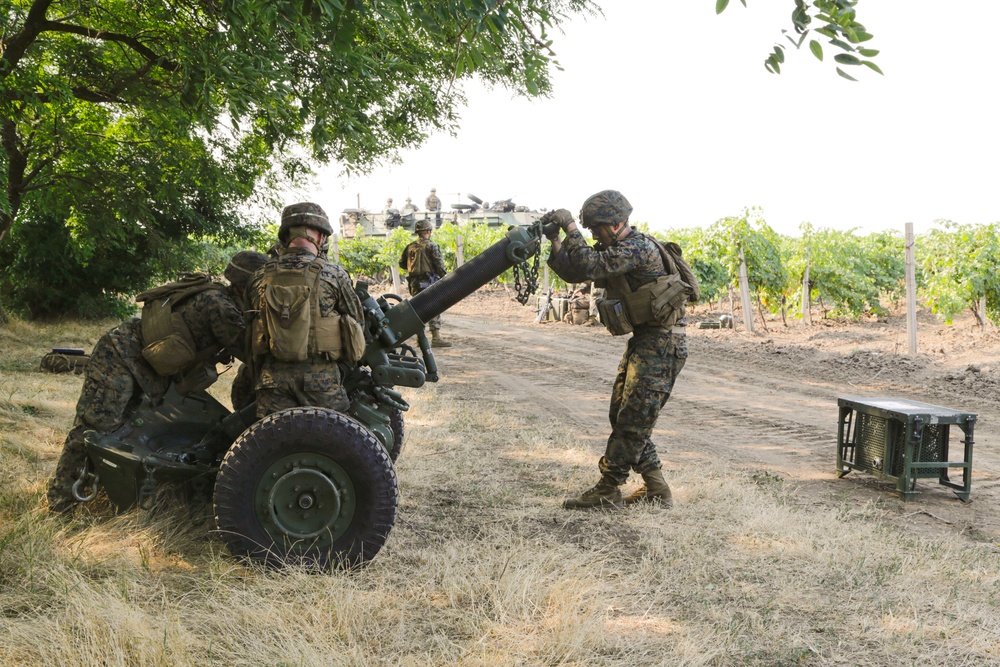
303 485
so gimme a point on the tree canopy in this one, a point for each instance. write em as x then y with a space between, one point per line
140 130
144 126
838 24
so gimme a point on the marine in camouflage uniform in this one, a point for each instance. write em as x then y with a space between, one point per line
424 253
653 357
118 377
317 380
433 205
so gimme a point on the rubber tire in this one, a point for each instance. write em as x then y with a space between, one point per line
307 431
398 428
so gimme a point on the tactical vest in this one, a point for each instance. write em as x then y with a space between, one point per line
659 303
169 346
289 326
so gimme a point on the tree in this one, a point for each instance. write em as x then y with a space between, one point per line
96 98
749 238
838 24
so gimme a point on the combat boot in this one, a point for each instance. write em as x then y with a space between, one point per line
437 341
655 491
605 494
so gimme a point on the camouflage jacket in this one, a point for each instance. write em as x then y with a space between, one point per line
432 203
634 257
215 318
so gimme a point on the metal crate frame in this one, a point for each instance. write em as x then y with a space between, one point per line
902 441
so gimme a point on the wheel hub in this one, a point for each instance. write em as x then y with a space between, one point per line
305 497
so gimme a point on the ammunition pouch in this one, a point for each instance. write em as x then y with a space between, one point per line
660 303
171 354
614 316
169 345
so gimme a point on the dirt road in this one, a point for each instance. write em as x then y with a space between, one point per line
767 402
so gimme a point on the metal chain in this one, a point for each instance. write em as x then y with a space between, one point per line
530 276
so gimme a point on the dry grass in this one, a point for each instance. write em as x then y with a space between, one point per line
483 567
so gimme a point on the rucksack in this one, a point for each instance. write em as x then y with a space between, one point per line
660 302
289 326
418 259
169 346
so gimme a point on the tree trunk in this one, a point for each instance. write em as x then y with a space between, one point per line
760 309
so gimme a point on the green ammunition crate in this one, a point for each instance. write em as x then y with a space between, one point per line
902 441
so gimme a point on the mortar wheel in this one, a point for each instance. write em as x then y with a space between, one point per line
397 426
306 486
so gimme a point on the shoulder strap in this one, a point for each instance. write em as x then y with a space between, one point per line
674 262
314 270
189 285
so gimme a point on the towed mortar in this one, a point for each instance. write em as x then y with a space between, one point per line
303 485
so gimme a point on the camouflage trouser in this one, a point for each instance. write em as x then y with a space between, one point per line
435 322
315 382
109 394
646 374
242 393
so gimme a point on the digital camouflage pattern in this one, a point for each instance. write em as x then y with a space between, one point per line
634 257
56 362
242 393
317 380
117 377
432 257
304 214
607 207
646 375
653 357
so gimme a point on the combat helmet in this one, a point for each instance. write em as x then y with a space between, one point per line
423 226
243 265
607 207
304 214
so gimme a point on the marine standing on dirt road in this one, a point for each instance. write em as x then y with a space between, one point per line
630 265
308 318
121 367
424 266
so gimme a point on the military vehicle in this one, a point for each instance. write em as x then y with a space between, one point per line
502 213
303 485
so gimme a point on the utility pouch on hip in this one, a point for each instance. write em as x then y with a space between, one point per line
614 316
660 302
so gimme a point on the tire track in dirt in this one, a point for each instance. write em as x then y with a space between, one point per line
749 407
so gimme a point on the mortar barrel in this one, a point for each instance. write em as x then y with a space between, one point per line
463 281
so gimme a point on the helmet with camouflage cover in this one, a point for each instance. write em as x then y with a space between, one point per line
607 207
304 214
423 226
243 265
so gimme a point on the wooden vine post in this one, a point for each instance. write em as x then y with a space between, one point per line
745 294
911 291
806 302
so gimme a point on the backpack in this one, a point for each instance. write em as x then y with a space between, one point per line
418 259
289 326
169 346
660 302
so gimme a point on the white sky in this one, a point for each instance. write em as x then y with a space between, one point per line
671 104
